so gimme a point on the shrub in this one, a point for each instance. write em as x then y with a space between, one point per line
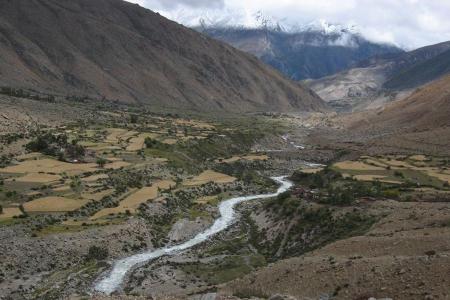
398 174
392 194
97 253
150 143
134 119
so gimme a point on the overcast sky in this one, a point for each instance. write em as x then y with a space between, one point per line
406 23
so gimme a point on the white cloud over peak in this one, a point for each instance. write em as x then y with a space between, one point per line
407 23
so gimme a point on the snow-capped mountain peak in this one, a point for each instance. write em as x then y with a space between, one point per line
260 20
328 28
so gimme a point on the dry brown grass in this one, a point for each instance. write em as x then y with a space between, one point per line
254 157
229 160
357 166
418 157
96 196
194 123
311 171
117 165
53 166
53 204
94 178
368 177
439 174
395 164
114 135
49 165
381 178
10 212
137 143
170 141
38 178
372 161
28 156
205 199
64 188
209 176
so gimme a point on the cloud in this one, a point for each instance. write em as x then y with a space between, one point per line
407 23
176 4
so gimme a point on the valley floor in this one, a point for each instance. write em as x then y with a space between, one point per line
362 220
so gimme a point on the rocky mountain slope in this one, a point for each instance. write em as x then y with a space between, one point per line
416 124
301 53
393 260
381 79
427 109
420 73
118 50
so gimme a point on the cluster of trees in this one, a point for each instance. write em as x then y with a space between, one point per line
81 99
10 138
4 160
20 93
317 180
335 190
56 145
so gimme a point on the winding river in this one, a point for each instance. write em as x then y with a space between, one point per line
114 279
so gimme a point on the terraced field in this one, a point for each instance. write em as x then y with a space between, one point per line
209 176
132 202
418 169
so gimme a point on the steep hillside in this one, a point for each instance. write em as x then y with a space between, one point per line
419 123
420 73
381 79
426 109
118 50
312 52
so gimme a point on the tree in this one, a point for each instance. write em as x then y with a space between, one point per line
101 162
1 209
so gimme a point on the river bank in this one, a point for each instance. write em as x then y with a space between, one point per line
114 279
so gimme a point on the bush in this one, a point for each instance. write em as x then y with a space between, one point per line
391 194
399 174
150 143
56 145
97 253
134 119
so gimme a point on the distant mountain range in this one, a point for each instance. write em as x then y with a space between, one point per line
381 79
300 52
119 50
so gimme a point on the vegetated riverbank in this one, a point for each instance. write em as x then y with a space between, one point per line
227 215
